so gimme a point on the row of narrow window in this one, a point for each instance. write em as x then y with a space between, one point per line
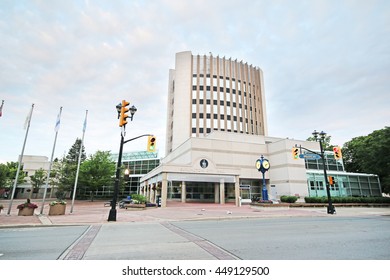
221 117
208 130
221 89
221 102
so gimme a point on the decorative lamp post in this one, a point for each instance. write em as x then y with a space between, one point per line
263 166
320 137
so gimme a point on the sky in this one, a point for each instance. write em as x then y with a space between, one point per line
326 66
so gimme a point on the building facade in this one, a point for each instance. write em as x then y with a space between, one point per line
208 93
136 164
217 129
345 184
31 164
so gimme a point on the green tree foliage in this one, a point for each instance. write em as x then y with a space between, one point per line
8 174
66 168
13 168
327 146
97 171
4 170
37 180
73 154
370 154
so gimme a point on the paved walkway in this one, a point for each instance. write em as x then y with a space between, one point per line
92 213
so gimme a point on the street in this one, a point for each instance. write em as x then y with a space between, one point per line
37 243
299 238
282 238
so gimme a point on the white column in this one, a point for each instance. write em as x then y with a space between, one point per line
216 193
183 192
164 190
237 191
222 192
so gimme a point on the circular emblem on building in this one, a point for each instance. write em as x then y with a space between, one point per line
204 163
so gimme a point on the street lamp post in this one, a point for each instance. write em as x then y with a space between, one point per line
320 137
112 214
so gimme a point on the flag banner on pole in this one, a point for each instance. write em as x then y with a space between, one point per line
1 108
85 122
58 121
28 118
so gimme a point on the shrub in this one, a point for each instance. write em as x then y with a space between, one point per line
138 199
63 202
288 198
27 204
60 195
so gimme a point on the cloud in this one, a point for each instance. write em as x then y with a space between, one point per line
92 54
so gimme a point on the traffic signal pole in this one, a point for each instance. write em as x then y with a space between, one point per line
114 201
331 209
112 214
122 116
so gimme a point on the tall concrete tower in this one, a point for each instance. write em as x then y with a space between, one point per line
208 93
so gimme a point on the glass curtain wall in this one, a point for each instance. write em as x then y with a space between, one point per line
359 185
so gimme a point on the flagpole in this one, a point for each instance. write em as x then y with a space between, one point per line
78 164
20 160
51 160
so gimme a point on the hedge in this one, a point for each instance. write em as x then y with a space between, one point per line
288 199
348 199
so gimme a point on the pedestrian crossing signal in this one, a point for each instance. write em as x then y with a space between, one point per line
295 153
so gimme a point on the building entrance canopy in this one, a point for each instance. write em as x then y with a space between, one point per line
191 177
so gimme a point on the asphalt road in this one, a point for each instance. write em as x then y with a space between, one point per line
293 238
37 243
299 238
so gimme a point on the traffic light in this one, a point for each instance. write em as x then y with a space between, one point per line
295 153
337 152
151 144
123 115
331 180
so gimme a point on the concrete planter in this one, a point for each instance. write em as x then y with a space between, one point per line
26 211
58 209
135 206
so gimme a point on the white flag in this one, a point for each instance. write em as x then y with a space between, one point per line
85 122
58 123
28 118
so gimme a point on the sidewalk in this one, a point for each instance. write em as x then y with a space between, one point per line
90 213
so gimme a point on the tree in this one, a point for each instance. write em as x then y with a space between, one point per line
370 154
73 154
97 171
4 170
37 180
10 176
327 146
66 168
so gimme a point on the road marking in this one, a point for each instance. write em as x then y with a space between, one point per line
77 250
206 245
